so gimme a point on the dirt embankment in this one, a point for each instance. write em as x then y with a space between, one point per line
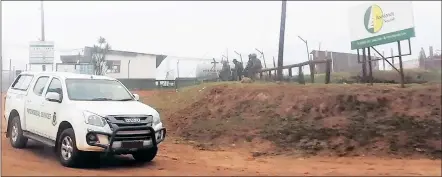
316 120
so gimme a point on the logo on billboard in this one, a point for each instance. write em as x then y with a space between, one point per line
375 18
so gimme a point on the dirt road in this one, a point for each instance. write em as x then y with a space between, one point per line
179 159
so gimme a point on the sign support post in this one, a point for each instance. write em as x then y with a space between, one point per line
401 68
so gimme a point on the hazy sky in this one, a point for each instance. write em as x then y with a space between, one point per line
195 29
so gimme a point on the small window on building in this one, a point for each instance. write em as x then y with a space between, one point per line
43 67
113 66
40 85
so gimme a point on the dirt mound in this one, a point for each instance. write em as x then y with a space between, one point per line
328 120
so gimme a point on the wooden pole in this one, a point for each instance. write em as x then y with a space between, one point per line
281 39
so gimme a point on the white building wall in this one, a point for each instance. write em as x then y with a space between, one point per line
140 67
75 68
66 68
39 67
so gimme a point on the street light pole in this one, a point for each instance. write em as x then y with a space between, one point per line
306 45
263 57
311 65
240 56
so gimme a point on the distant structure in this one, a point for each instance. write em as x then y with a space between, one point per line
341 62
432 62
121 64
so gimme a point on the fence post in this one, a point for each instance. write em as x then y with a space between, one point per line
312 71
300 76
327 71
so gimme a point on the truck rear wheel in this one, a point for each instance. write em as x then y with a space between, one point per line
145 155
16 137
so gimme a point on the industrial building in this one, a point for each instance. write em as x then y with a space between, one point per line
120 64
341 62
135 70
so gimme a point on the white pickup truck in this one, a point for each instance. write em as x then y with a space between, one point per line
81 117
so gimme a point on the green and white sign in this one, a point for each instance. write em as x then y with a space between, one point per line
380 23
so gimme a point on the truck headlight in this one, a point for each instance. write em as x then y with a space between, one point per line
93 119
156 120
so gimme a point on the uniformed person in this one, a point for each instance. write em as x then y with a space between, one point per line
224 74
253 65
238 71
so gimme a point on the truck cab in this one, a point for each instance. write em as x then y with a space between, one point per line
81 117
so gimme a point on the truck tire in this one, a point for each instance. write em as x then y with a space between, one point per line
16 137
67 152
145 155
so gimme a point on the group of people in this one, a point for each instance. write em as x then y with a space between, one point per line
238 72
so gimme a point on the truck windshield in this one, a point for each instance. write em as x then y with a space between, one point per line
96 90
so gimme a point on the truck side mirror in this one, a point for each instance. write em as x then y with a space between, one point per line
136 96
53 96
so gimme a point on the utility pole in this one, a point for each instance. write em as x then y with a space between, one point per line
43 30
281 39
42 23
128 68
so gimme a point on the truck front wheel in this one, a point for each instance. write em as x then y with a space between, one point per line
67 151
145 155
16 137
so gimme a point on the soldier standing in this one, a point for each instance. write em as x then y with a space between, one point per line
238 69
225 71
253 65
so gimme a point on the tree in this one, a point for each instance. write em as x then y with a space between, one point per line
99 56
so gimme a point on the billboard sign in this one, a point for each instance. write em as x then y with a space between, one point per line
41 52
380 23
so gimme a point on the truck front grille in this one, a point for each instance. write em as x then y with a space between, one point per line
132 135
118 121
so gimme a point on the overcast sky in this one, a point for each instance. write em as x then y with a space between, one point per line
195 29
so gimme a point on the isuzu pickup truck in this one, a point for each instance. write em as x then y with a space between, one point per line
81 116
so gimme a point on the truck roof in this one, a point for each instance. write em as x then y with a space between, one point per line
68 75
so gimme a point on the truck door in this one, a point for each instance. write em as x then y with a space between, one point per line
53 109
34 104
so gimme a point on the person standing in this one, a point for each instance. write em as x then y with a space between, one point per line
254 65
238 69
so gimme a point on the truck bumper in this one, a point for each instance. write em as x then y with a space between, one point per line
113 144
